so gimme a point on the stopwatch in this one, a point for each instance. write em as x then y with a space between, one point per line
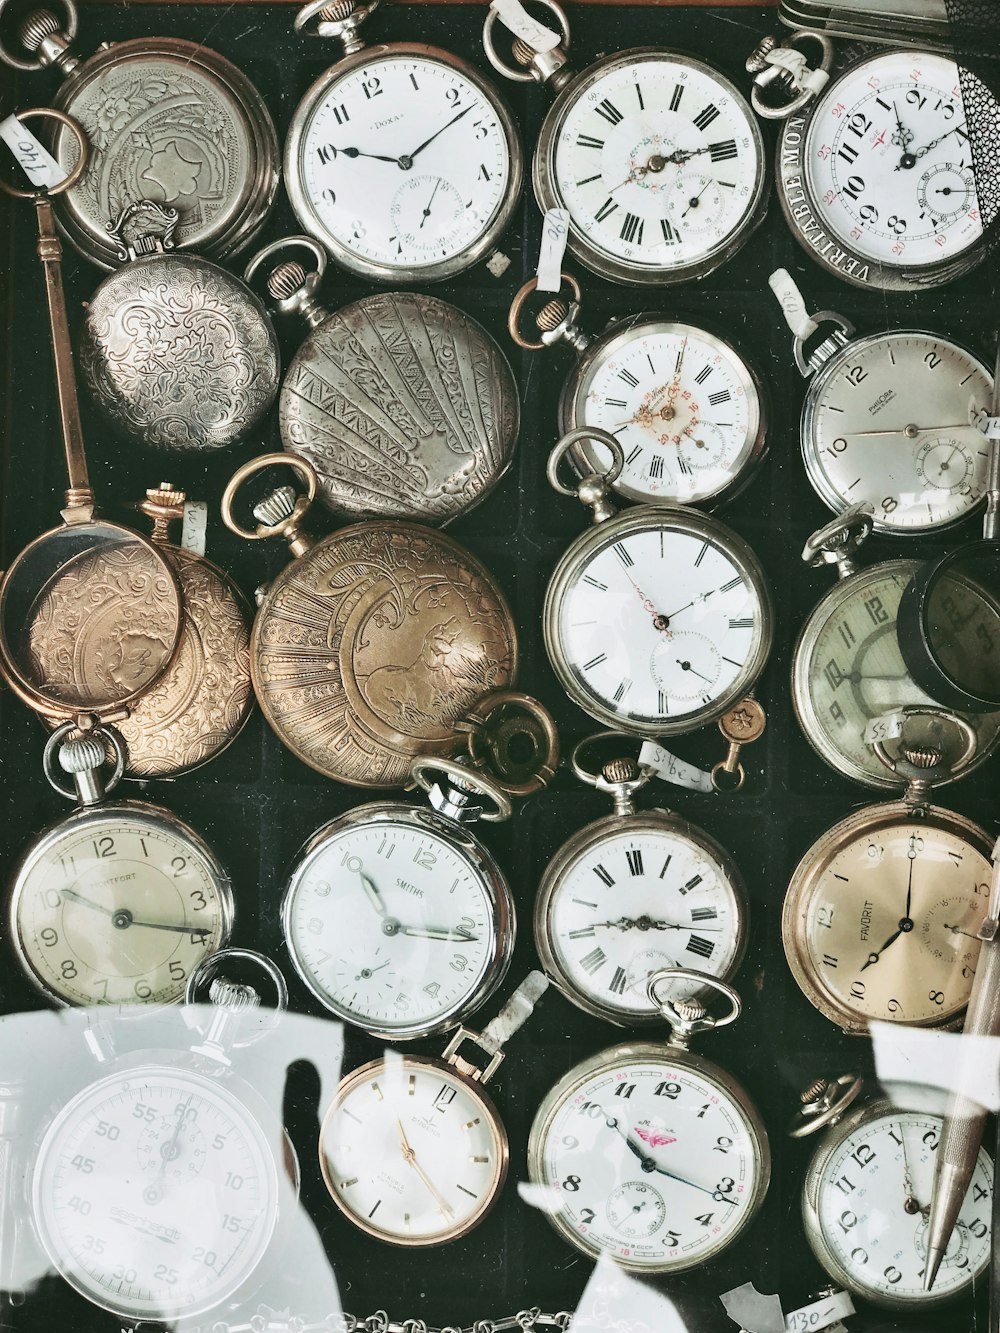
867 1192
847 668
649 1154
664 666
655 155
401 159
881 916
120 901
874 170
632 894
688 409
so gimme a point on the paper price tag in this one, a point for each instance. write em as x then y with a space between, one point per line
32 157
516 18
195 528
792 304
671 769
888 727
555 232
824 1314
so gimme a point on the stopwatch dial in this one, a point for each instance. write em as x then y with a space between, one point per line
682 405
657 625
887 921
412 1152
631 903
654 1164
391 924
658 161
403 162
888 163
155 1193
892 422
872 1200
118 906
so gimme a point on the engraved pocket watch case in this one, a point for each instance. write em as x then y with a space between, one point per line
405 407
168 120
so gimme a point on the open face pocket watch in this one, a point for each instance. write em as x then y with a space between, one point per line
867 1193
402 159
655 155
649 1153
688 410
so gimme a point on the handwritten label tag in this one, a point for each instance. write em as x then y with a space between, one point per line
555 231
34 159
792 303
671 769
516 18
888 727
195 527
824 1314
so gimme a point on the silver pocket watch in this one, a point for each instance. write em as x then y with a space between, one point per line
688 409
655 155
401 159
632 894
649 1153
167 120
405 406
867 1192
657 619
848 671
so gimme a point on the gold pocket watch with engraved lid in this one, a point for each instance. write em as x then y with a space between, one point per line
374 642
881 915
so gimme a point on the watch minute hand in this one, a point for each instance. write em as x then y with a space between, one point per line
178 930
922 152
448 126
437 933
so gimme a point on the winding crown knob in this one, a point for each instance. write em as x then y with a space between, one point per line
81 754
923 756
522 52
814 1091
551 315
231 995
336 13
38 25
689 1010
276 507
757 59
620 770
285 280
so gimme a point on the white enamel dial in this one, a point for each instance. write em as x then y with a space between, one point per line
412 1152
391 922
681 403
872 1198
658 160
117 905
891 420
655 622
403 164
650 1161
155 1192
888 161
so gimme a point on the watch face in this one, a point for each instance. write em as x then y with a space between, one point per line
412 1152
872 1195
155 1193
848 670
888 163
403 164
890 420
118 905
642 894
683 405
658 160
656 1163
658 620
392 920
881 916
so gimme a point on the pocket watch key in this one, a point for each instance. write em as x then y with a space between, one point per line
404 405
656 157
688 410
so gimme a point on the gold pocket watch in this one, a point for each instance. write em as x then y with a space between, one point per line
648 1153
374 642
881 915
632 894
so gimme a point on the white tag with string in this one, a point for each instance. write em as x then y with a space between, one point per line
34 159
555 232
823 1314
671 769
516 18
888 727
195 527
792 304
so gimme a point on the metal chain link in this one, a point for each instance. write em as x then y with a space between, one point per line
273 1321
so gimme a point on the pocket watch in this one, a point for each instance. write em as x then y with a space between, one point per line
656 668
651 1154
848 671
412 1150
176 352
867 1192
119 901
881 915
411 109
656 157
404 405
375 640
167 120
632 894
874 171
689 412
890 418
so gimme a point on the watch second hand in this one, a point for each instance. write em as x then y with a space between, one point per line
411 1158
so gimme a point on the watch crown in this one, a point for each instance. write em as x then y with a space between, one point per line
522 52
231 995
620 770
276 507
285 280
336 13
923 756
41 23
81 754
757 59
689 1010
814 1091
551 315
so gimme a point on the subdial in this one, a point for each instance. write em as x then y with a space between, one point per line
958 1244
642 966
167 1153
425 211
364 972
636 1209
947 932
702 444
686 665
946 190
945 464
695 204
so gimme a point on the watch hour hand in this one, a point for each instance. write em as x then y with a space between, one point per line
358 152
72 896
874 957
372 893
